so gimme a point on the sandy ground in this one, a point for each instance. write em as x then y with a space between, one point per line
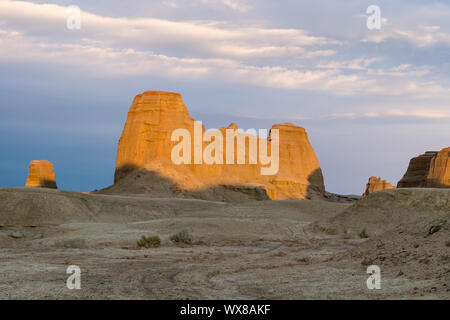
251 250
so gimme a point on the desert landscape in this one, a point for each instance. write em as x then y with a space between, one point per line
224 231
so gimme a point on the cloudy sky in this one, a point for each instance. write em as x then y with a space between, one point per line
369 99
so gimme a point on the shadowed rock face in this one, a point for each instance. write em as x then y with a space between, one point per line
377 184
146 144
41 175
429 170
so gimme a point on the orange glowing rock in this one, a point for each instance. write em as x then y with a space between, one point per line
41 175
146 144
429 170
377 184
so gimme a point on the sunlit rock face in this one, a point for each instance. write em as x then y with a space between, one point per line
41 175
152 118
439 173
429 170
377 184
146 144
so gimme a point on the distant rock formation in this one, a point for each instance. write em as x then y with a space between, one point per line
41 175
146 145
429 170
377 184
439 174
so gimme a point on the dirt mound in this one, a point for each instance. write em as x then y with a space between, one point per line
39 206
151 183
266 243
42 206
406 232
411 208
418 252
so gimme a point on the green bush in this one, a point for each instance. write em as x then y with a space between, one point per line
149 242
363 234
181 237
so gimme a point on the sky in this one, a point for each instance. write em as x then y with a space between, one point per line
370 99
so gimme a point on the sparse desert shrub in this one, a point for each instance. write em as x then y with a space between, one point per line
363 234
447 243
149 242
72 244
181 237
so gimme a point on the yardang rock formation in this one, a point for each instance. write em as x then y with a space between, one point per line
145 150
41 175
429 170
377 184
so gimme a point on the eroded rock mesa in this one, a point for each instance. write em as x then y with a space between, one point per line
377 184
439 173
41 175
146 145
429 170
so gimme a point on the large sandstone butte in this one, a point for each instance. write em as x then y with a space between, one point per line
377 184
144 156
41 175
429 170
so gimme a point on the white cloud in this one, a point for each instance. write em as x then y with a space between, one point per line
107 61
19 48
170 4
404 70
424 37
355 64
418 112
200 50
200 38
373 112
432 28
236 5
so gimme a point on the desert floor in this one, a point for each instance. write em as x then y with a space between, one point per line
250 250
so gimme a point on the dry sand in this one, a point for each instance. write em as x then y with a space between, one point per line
249 250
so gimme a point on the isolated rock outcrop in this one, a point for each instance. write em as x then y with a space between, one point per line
146 145
41 175
439 173
429 170
377 184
